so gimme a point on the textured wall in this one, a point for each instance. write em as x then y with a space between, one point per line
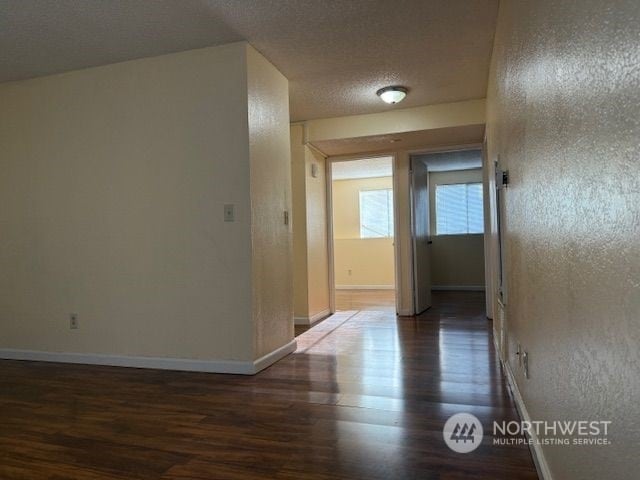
111 206
311 264
564 118
270 172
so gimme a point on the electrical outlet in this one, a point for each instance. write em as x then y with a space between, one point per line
525 364
229 213
73 321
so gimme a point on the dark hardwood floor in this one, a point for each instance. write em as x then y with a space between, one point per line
364 397
378 300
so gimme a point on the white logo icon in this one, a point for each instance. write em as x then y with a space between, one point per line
462 432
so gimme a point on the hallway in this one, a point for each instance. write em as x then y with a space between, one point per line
364 396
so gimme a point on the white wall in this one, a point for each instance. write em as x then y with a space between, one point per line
563 118
111 206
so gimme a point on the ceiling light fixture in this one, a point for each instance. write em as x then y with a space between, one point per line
392 94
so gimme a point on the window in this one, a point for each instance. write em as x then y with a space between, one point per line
459 209
376 213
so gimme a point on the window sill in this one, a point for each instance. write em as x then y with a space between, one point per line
458 235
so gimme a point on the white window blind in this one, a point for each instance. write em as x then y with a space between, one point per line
459 209
376 213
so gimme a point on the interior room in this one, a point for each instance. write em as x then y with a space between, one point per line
456 220
363 234
357 239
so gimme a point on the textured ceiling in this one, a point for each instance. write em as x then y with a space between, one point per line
362 168
335 53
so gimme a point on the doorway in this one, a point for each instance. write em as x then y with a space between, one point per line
447 208
362 233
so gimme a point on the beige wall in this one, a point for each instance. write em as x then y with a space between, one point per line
346 203
359 261
311 264
271 237
430 117
470 112
457 260
563 110
299 223
111 201
317 252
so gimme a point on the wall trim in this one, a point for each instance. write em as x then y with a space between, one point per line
312 319
158 363
542 467
365 287
272 357
458 288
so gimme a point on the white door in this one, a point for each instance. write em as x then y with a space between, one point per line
421 235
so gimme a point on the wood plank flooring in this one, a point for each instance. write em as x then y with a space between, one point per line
378 300
364 397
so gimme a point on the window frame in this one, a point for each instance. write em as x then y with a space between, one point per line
390 212
435 210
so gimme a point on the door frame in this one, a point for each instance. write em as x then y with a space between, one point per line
412 229
427 151
330 249
395 154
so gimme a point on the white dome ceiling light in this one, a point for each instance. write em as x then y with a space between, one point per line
392 95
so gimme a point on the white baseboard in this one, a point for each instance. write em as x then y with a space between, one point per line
312 319
272 357
365 287
458 288
537 453
159 363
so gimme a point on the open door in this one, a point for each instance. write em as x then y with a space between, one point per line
420 235
362 233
